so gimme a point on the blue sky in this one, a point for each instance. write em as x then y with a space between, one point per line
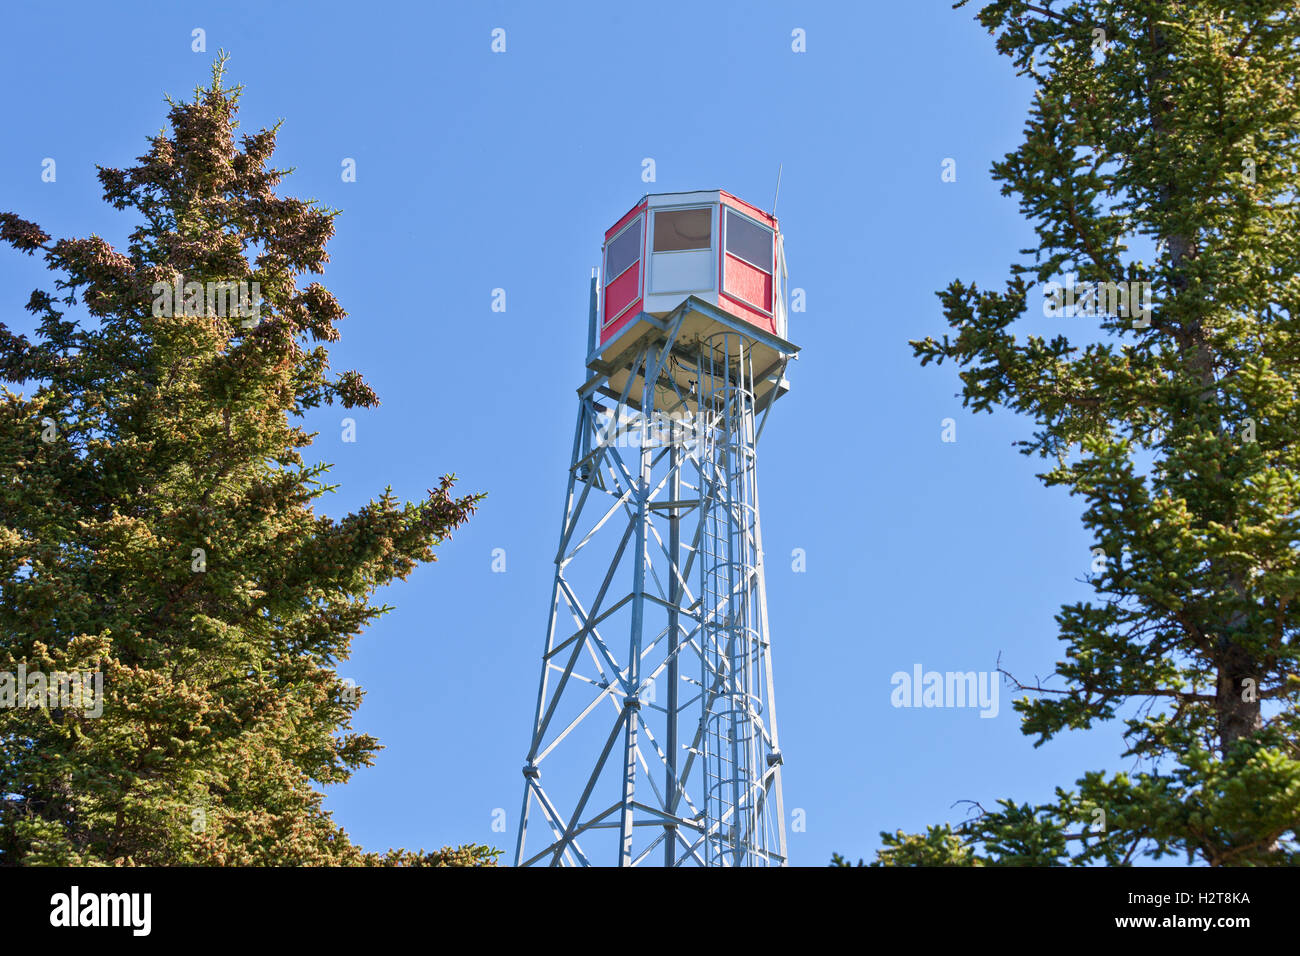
479 170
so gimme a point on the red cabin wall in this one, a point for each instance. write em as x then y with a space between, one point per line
624 292
621 294
740 280
742 284
752 211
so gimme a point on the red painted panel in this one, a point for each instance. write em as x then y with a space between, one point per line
753 211
753 286
620 293
742 311
617 326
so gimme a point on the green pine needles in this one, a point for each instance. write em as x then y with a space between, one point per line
156 526
1161 150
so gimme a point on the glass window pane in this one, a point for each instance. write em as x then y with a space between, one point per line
678 229
622 251
749 241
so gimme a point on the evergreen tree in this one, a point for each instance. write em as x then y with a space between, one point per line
1161 147
156 526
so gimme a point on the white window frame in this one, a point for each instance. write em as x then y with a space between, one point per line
714 227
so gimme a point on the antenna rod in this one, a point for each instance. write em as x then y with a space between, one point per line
779 167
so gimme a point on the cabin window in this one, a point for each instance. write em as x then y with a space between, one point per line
748 240
623 251
677 230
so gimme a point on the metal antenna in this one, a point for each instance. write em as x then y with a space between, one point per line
779 167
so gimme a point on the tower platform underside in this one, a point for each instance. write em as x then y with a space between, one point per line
613 365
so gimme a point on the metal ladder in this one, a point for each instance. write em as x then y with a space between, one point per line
730 634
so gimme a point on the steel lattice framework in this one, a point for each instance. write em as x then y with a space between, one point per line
658 658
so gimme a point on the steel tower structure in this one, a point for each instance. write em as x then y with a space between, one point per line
655 736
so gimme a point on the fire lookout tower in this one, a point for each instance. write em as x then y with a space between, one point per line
655 736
